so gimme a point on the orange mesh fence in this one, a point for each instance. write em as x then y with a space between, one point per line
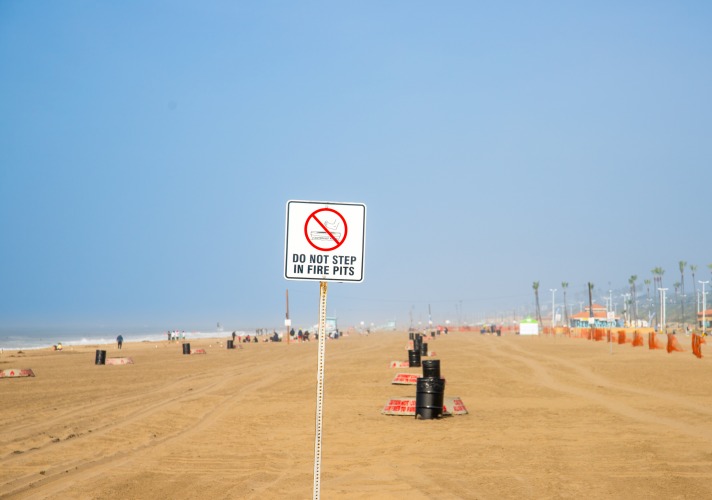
673 344
621 336
638 339
697 341
653 342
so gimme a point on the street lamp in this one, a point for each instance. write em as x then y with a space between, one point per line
626 312
704 306
662 308
553 308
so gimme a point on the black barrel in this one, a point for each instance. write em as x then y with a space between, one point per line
413 358
417 340
432 333
424 349
186 348
431 368
230 344
410 336
429 396
100 358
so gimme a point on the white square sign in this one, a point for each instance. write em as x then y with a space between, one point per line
325 241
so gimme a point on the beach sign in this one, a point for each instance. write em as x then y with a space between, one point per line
454 406
405 379
119 361
325 241
17 372
399 406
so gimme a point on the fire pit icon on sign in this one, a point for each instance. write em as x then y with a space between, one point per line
331 235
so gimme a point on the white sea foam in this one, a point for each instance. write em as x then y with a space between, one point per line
44 340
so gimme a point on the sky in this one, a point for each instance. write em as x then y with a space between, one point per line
148 151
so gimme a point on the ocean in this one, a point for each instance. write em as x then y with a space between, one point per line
25 339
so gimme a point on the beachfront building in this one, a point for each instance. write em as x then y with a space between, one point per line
708 319
601 317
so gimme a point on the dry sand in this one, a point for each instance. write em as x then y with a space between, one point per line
549 418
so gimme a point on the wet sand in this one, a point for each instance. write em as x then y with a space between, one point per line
548 418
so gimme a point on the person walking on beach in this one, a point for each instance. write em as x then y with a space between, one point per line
120 340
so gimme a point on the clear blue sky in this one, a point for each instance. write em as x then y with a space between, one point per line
148 149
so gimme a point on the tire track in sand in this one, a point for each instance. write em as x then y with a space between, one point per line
604 382
61 477
554 379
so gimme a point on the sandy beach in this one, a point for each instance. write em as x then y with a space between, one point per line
549 417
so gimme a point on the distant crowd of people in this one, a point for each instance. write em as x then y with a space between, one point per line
266 337
491 329
175 335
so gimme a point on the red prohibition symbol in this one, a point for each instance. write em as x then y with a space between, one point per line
327 231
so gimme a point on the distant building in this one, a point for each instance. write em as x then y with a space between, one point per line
708 318
602 318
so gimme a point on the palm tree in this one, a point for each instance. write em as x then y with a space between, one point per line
590 304
633 298
535 286
682 265
564 286
693 268
647 286
658 279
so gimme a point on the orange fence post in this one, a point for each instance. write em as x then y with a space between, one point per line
653 342
697 341
673 344
621 336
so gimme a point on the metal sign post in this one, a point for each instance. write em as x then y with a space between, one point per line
320 389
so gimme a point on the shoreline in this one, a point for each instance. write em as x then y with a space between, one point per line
27 344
